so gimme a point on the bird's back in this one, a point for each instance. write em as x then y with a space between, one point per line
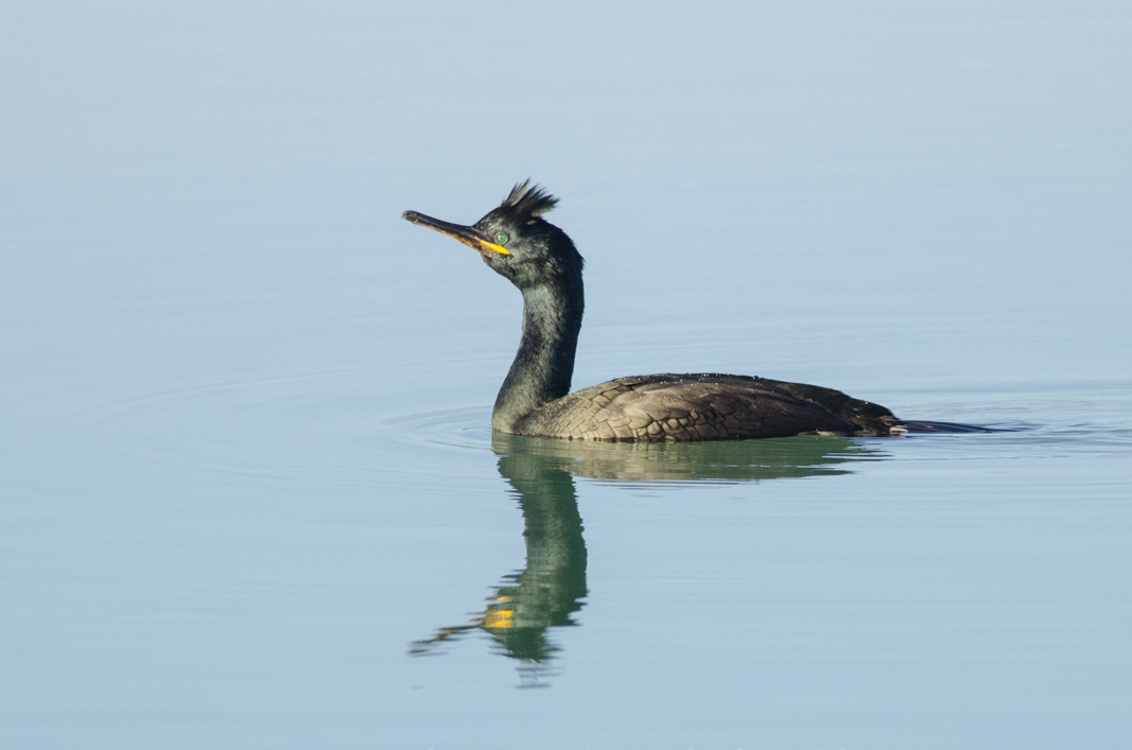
704 407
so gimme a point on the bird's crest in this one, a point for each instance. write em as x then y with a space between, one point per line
529 201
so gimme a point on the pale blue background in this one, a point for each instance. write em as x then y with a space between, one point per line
244 455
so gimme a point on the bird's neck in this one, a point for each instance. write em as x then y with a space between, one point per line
544 364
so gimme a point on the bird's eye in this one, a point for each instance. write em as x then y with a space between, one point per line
502 238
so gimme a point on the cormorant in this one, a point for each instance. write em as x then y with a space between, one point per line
538 258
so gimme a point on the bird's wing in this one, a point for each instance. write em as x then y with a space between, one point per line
685 408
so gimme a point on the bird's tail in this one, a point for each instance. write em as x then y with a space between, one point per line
922 426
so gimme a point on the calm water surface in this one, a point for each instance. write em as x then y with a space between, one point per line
249 496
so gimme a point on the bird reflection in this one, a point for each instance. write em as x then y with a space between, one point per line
552 585
551 588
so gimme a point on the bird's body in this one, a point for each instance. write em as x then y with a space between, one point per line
703 407
535 398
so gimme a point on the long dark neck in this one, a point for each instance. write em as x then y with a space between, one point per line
544 364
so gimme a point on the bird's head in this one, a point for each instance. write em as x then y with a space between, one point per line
515 240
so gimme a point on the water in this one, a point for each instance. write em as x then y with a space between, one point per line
249 492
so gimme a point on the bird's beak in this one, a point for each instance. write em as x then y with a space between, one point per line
470 236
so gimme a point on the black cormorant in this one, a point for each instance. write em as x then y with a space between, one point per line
538 257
